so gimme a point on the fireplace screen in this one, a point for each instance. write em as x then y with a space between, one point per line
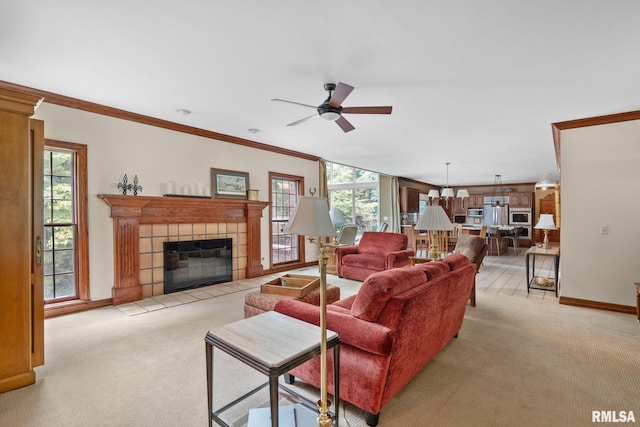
196 263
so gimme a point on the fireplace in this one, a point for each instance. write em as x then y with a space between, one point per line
221 218
195 263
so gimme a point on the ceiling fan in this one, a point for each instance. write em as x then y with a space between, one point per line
332 109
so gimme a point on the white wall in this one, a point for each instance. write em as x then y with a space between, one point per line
156 155
600 185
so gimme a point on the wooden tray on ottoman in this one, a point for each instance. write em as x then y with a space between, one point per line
291 285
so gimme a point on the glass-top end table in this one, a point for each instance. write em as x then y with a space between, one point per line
532 253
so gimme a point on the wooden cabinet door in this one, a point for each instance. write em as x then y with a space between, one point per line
525 200
18 318
459 206
409 200
514 200
476 201
37 241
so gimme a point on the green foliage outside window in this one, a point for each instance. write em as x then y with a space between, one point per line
59 220
355 192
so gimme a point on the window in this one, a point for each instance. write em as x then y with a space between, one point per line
285 247
355 192
65 236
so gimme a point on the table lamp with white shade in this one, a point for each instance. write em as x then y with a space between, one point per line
434 219
311 218
545 222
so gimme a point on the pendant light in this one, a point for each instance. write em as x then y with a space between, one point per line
447 192
496 193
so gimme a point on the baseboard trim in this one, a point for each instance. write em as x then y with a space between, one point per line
619 308
75 306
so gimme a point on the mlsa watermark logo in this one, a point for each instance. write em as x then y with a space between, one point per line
613 417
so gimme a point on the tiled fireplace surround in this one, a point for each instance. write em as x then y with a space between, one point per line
152 236
142 223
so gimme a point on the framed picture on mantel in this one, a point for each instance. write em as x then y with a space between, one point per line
229 184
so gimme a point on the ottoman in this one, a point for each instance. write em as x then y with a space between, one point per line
257 302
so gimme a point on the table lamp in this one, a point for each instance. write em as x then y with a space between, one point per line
434 219
545 222
311 218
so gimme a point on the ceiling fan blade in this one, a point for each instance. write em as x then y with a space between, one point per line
297 122
367 110
344 124
339 94
296 103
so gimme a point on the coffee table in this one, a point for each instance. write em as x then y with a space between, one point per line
271 343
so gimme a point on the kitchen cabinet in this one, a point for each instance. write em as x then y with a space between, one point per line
21 293
459 207
520 200
407 230
475 201
409 200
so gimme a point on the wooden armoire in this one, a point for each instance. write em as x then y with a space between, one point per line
21 252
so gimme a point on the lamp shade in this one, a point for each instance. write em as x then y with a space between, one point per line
434 218
311 218
545 222
462 194
446 193
433 194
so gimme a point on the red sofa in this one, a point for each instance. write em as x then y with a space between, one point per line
374 252
389 330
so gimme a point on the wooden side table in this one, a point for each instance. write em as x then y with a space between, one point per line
532 253
331 260
271 343
418 260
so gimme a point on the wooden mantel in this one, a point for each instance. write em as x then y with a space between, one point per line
128 212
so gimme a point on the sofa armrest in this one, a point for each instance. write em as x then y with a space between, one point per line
346 250
399 258
367 336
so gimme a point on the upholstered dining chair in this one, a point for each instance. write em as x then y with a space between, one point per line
474 248
347 235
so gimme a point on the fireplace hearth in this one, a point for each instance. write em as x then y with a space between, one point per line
195 263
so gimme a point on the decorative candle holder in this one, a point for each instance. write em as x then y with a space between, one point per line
125 186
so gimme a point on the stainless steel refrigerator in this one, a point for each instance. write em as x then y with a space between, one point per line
496 215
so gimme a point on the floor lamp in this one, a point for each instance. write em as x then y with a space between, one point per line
434 219
311 218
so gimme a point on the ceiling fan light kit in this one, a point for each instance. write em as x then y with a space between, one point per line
331 109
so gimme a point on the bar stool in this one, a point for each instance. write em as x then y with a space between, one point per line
514 236
493 234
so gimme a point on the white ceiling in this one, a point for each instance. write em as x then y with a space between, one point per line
474 83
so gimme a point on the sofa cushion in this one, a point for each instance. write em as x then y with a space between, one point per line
433 269
370 262
381 243
367 336
379 287
455 260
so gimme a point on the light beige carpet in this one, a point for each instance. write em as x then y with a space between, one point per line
519 360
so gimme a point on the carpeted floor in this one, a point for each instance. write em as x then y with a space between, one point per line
519 360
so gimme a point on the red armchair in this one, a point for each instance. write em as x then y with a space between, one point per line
375 252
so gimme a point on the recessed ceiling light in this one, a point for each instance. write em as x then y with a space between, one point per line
183 111
253 130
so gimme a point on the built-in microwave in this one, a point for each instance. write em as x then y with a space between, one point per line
520 216
475 212
459 219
